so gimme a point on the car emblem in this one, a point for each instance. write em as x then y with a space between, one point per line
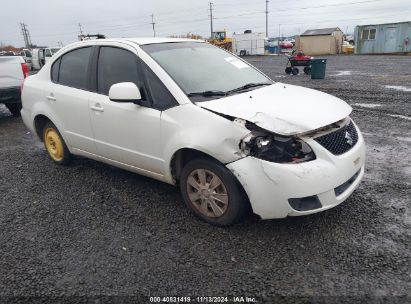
348 138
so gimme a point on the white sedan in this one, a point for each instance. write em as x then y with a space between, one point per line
191 114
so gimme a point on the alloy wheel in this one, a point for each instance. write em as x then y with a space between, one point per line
207 193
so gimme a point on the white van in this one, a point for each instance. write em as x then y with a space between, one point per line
49 52
37 59
41 56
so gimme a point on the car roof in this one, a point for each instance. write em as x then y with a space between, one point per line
150 40
153 40
138 41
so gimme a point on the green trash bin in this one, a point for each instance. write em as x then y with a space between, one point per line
318 68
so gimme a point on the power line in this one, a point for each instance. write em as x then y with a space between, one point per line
328 5
140 26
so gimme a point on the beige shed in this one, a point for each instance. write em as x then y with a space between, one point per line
326 41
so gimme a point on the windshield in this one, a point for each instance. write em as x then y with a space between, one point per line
27 53
201 67
54 50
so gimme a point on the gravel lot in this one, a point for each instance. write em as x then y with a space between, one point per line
91 230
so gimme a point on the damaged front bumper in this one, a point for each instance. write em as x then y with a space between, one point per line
280 190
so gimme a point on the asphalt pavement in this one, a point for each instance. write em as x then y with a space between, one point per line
92 232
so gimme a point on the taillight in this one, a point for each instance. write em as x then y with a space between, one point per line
25 69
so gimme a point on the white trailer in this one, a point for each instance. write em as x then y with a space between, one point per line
248 44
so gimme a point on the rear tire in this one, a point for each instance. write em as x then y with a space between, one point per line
55 145
212 192
243 53
14 108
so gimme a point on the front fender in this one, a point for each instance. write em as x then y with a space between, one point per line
189 126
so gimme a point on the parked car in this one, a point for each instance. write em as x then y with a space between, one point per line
194 115
13 70
26 54
7 53
350 39
49 52
286 44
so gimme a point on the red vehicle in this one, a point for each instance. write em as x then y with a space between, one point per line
298 60
285 44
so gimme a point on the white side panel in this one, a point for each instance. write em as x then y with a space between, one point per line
189 126
11 73
127 133
252 43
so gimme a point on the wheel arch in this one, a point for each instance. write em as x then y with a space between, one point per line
40 121
182 156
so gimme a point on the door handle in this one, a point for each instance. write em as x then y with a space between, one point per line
97 108
51 98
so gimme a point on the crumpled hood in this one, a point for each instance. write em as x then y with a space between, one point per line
282 108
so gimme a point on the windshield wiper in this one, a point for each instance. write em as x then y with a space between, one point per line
249 86
207 93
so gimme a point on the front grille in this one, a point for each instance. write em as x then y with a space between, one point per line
340 141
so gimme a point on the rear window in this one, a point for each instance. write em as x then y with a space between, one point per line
74 67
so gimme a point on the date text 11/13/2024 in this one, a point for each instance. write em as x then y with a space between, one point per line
204 299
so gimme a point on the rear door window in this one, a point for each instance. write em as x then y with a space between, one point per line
74 68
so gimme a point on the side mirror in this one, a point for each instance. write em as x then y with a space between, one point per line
125 92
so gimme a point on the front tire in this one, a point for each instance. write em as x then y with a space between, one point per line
212 192
55 145
14 108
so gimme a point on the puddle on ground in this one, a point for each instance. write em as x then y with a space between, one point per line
343 73
400 116
367 105
399 88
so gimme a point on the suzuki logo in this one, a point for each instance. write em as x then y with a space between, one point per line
348 138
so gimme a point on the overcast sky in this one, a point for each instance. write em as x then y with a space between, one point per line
52 21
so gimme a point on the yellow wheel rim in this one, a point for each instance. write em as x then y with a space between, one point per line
54 144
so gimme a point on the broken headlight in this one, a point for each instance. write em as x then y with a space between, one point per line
275 148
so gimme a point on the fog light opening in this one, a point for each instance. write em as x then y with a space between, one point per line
305 203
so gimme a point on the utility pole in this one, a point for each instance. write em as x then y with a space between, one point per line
81 31
266 18
23 31
211 19
279 32
153 23
26 35
279 37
